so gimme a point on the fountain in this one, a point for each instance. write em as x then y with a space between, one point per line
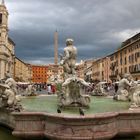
129 91
72 94
72 115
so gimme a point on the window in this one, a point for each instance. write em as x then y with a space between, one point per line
0 18
120 54
116 73
117 63
132 58
125 61
125 51
135 57
121 61
125 69
129 59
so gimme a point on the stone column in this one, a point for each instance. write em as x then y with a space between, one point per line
6 66
56 48
2 69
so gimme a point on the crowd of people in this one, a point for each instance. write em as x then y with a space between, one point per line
39 88
50 88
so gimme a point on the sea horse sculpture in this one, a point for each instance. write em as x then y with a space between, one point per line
8 98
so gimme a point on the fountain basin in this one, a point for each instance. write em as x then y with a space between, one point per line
64 127
104 119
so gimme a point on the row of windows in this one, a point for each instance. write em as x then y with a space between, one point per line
39 71
134 47
39 78
134 68
39 75
48 75
125 52
134 57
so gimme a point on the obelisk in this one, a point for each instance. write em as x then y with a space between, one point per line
56 48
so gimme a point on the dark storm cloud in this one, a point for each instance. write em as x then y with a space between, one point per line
97 26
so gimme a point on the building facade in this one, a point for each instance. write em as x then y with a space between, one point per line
80 70
106 69
22 71
39 74
46 73
126 59
84 69
7 46
88 69
97 70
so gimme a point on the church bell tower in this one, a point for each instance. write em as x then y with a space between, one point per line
4 50
3 23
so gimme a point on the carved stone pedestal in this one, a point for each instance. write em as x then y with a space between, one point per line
73 93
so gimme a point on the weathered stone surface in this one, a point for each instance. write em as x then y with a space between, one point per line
89 127
73 87
73 93
8 99
6 118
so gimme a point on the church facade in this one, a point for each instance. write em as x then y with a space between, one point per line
7 46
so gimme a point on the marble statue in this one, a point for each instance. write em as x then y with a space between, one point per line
98 90
8 95
12 84
135 96
8 99
124 85
72 93
31 90
128 90
68 60
56 79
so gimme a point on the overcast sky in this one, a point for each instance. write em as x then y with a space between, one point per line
97 26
